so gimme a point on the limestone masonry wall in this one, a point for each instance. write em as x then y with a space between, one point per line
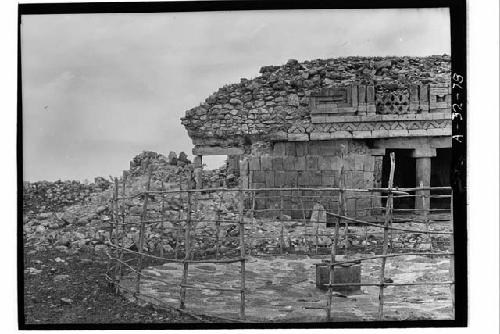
310 164
303 101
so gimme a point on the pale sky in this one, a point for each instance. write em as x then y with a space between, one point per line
100 88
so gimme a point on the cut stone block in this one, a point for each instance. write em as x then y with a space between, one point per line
341 274
311 162
259 177
254 163
266 162
277 163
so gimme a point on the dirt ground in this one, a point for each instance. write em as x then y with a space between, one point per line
83 296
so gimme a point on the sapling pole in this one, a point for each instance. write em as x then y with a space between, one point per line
388 219
142 229
242 252
187 247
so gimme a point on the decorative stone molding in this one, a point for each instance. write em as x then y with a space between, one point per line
289 102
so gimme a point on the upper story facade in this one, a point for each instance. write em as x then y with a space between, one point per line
345 98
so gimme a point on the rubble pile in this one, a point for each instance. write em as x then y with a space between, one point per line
82 217
52 196
164 168
219 177
279 97
71 214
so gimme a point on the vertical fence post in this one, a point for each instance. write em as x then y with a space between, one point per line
452 258
355 205
342 207
142 229
282 241
316 242
388 219
116 223
178 223
217 228
306 224
333 253
187 246
242 251
253 204
426 216
124 231
113 250
366 237
163 221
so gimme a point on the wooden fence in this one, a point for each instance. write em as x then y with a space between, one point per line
183 226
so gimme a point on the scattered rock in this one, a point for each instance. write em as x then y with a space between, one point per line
66 301
58 278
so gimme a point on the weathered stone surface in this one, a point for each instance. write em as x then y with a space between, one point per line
275 105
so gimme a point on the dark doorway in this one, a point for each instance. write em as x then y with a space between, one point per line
404 175
440 177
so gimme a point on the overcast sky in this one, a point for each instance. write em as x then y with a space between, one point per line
100 88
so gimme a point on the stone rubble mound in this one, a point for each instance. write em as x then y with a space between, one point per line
71 214
77 215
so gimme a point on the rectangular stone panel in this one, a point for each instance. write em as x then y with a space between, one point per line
270 179
259 177
254 163
309 178
277 163
289 163
244 166
290 179
320 136
325 163
266 162
279 148
245 182
349 163
298 137
290 149
311 162
300 163
368 178
369 163
362 99
354 96
301 148
279 178
424 98
358 162
414 99
329 178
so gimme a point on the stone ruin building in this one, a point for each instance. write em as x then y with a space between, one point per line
296 125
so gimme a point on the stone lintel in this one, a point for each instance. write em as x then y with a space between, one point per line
377 151
217 150
414 142
298 137
325 118
424 152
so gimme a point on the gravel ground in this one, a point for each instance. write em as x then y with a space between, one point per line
63 287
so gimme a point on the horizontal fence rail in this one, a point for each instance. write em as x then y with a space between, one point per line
216 226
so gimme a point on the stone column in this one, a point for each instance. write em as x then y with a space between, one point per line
423 175
198 171
378 155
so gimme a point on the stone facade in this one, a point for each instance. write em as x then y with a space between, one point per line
294 101
309 165
299 124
